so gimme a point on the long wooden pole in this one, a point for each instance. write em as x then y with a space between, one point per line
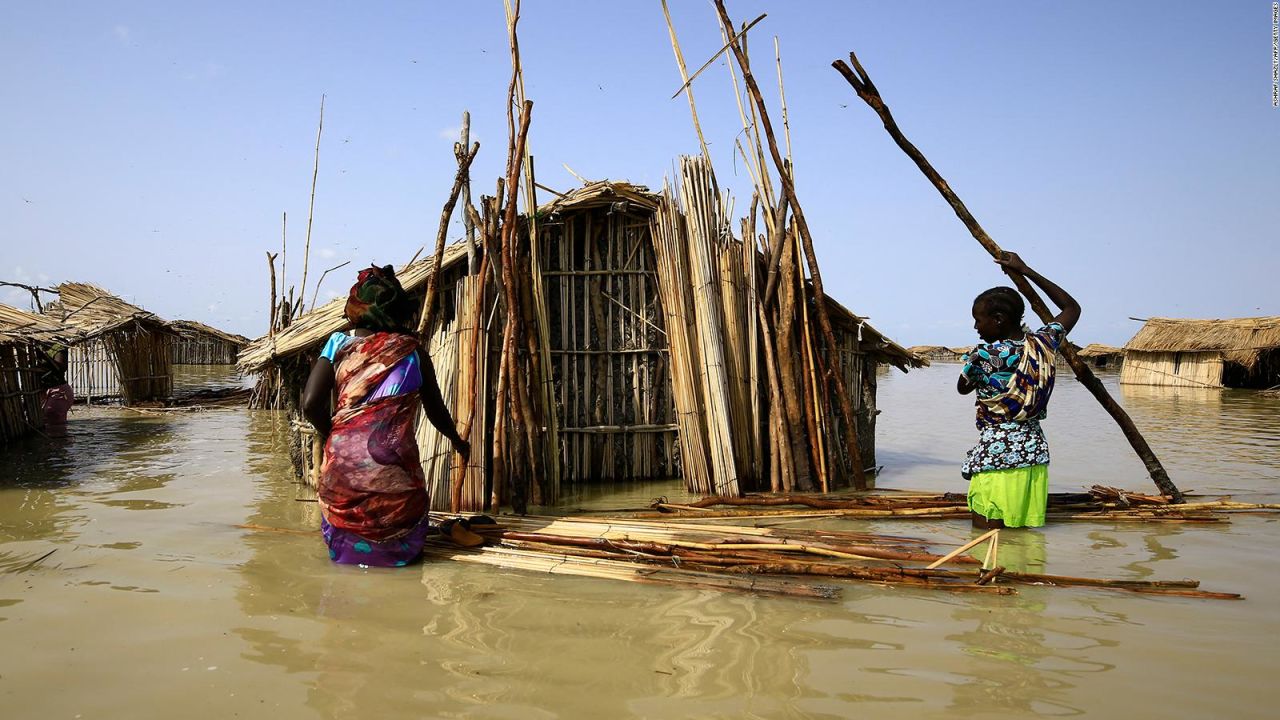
819 297
315 172
465 157
869 94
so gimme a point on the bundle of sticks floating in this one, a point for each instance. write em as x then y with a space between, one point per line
776 561
1099 503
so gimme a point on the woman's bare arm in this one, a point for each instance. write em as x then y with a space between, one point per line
316 397
435 408
1069 309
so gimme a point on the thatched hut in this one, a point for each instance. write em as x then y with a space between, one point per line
1239 353
610 366
200 344
122 350
1102 356
938 353
24 337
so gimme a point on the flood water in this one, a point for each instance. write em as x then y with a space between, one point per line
153 604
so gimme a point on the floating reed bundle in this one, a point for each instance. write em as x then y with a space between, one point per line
1100 503
667 552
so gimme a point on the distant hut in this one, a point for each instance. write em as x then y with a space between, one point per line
200 344
936 353
1239 353
610 365
24 338
123 351
1102 356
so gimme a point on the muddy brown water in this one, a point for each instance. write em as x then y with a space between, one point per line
155 605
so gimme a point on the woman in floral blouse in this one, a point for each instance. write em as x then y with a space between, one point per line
1012 372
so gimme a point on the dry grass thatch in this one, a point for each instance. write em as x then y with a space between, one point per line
92 311
191 328
1093 350
139 342
19 325
618 195
319 323
1240 340
893 353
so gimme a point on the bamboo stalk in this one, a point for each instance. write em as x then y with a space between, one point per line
315 172
824 320
684 75
867 91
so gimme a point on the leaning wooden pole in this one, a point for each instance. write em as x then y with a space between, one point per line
465 157
819 297
866 90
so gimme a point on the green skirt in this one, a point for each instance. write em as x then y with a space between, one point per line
1018 496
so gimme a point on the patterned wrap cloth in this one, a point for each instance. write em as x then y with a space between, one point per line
371 482
377 301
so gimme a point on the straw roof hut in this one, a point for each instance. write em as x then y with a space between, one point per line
24 337
611 375
121 349
932 352
1240 352
200 344
1102 356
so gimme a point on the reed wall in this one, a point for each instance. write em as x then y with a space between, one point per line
609 357
203 350
92 371
1172 369
20 411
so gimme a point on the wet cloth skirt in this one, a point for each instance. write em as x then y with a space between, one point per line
1017 497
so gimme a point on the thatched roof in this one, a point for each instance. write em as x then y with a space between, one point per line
20 325
1099 350
618 195
191 328
92 311
897 355
317 324
1240 340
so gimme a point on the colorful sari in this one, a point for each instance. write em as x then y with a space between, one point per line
371 481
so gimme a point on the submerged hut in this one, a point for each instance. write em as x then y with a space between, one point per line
122 350
200 344
24 337
938 353
1102 356
613 383
1238 353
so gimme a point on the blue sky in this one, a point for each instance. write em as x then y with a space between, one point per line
1128 150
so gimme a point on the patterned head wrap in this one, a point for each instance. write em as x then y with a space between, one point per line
377 302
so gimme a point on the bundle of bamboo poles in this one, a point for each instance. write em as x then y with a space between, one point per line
765 560
1099 503
784 363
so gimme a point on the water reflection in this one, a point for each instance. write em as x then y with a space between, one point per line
143 512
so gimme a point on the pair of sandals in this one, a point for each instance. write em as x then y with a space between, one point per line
459 532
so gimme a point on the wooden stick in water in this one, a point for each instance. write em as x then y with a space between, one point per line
989 534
